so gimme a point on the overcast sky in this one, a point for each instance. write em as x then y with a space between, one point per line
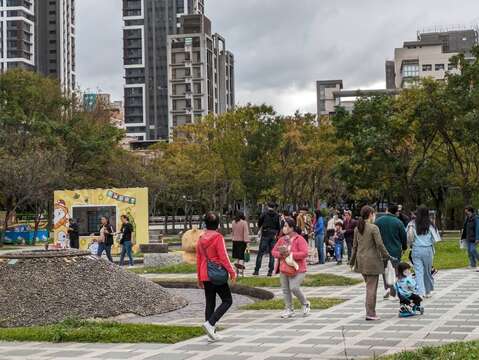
281 47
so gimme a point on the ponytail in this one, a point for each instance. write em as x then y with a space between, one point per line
366 212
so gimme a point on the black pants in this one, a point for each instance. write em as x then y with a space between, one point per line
349 244
74 243
224 292
415 299
265 246
106 248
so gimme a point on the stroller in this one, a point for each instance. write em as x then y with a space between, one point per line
330 250
407 307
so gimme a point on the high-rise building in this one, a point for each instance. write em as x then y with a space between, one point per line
147 25
200 73
39 35
428 56
55 45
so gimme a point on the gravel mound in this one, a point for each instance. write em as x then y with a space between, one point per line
40 287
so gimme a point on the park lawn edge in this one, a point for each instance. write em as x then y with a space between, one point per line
101 332
451 351
278 304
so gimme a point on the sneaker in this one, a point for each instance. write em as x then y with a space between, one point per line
306 309
210 330
428 296
288 313
255 273
387 294
372 318
270 273
217 338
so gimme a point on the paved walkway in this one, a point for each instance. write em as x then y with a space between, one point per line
337 333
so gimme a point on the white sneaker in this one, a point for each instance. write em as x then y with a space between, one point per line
306 309
210 331
428 296
288 313
387 294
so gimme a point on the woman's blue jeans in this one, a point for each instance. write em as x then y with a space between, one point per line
319 241
422 257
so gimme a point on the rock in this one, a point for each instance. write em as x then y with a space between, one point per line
42 288
162 260
188 244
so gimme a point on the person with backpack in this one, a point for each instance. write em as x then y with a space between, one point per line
213 267
291 250
470 235
269 224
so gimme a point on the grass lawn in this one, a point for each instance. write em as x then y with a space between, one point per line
173 269
454 351
101 332
278 304
448 255
310 281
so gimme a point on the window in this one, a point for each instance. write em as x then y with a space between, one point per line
451 67
427 67
439 67
89 217
410 70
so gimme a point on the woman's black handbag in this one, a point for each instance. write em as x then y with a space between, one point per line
217 274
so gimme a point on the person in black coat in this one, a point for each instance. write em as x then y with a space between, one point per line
74 234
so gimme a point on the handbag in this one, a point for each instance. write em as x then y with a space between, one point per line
390 274
217 274
247 254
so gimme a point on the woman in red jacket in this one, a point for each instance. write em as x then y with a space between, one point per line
291 250
211 249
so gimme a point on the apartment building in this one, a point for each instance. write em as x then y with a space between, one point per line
200 73
147 24
156 74
39 35
428 56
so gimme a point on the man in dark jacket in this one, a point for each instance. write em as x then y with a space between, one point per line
269 224
394 237
74 234
470 235
349 225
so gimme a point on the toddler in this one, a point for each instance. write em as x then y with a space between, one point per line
410 301
338 239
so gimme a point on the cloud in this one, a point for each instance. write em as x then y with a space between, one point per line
281 47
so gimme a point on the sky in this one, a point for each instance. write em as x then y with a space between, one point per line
281 47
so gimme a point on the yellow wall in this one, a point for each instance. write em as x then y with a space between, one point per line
131 201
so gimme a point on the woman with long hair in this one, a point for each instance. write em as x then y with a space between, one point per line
240 233
422 235
368 257
291 250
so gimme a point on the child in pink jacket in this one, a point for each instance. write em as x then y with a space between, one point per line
291 250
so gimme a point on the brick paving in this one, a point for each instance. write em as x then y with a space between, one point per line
452 314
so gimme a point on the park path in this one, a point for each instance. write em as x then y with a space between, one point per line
337 333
